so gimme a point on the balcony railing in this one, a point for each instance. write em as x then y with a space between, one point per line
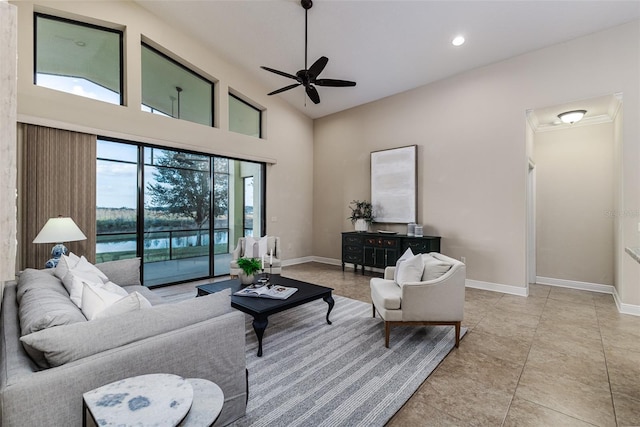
161 245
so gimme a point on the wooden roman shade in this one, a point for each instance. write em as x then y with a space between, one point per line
58 178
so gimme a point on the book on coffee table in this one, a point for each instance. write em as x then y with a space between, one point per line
266 291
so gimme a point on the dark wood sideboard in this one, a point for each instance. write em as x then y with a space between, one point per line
381 250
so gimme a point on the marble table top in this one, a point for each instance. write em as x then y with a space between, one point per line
155 399
208 399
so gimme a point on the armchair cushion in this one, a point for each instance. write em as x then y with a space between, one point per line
387 294
410 270
433 268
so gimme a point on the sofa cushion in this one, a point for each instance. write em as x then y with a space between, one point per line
32 279
433 267
45 308
124 272
67 343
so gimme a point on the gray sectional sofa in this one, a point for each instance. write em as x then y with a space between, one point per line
45 369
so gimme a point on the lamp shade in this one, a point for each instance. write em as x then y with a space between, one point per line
58 230
572 116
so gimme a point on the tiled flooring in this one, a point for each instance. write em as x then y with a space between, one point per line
560 357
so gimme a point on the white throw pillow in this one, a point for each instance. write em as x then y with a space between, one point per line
72 282
84 265
405 256
96 299
112 287
65 264
255 248
410 270
132 302
433 267
98 302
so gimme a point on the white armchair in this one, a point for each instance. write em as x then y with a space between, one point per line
438 301
273 246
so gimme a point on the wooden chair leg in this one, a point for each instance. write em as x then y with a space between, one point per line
374 309
387 331
458 334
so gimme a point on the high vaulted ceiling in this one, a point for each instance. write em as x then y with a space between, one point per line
387 47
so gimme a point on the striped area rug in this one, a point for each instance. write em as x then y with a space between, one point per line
315 374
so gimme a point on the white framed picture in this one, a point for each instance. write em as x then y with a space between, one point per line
394 181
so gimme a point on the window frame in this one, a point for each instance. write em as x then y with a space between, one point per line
260 111
212 117
120 33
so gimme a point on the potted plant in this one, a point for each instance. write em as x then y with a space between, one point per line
361 214
249 267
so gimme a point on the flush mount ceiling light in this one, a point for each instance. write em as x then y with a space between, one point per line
458 41
572 116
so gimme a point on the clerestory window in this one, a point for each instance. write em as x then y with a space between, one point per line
171 89
78 58
244 118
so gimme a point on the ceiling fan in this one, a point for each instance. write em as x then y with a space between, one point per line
308 77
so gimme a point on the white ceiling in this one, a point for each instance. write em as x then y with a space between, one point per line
387 47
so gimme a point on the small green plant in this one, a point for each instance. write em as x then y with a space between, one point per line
361 210
250 265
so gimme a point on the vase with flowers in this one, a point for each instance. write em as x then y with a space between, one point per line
361 214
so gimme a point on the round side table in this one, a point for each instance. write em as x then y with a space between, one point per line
155 399
207 403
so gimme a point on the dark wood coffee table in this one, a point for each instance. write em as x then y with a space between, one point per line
262 308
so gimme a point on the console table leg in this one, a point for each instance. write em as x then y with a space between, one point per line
329 300
259 325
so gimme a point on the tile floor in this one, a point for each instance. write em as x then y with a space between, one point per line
560 357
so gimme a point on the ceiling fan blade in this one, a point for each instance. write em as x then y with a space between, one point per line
284 88
318 66
282 73
313 94
334 83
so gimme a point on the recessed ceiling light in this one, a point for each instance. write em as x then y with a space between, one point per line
458 41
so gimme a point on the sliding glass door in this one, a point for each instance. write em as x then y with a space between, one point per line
177 208
185 215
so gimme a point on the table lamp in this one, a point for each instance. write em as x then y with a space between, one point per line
58 230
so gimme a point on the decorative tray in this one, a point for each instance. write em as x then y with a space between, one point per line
387 232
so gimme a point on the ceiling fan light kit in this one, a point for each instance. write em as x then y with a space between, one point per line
308 77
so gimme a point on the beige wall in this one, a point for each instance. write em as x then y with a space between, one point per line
288 145
471 131
575 204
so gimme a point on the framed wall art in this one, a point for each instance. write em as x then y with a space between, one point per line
394 181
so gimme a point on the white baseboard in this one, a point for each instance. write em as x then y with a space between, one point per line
623 308
574 284
296 261
497 287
